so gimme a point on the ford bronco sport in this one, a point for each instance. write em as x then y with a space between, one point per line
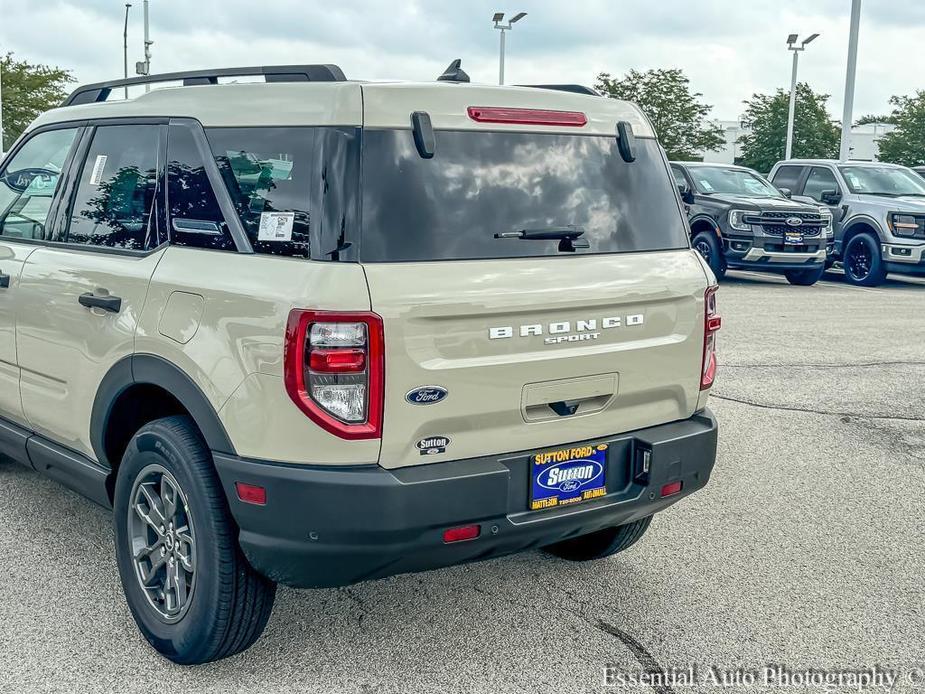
879 212
739 220
315 331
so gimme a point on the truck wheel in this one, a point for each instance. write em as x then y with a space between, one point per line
602 543
191 591
862 262
805 278
707 245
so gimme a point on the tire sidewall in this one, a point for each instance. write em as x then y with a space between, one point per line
717 260
152 445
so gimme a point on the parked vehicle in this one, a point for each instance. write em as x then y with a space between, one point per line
879 213
920 170
314 331
738 220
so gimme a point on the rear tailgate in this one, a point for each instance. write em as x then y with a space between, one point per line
620 339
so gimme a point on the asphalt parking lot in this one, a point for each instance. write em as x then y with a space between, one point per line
804 550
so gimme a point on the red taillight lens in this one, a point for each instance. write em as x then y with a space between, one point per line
466 532
672 488
251 493
334 370
711 324
337 360
527 116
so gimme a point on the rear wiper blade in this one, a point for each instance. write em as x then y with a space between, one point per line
568 236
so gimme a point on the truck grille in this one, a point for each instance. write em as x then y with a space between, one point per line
774 224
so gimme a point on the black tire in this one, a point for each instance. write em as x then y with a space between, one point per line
862 262
805 278
602 543
711 249
227 603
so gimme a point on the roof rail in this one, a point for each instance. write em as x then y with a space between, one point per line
94 93
574 88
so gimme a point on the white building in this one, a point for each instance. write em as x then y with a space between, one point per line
864 141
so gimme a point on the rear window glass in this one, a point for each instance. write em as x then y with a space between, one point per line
479 184
268 173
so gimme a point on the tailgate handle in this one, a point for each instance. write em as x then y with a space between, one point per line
564 408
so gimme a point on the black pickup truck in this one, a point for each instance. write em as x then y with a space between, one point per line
739 220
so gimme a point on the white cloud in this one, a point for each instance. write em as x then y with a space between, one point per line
729 48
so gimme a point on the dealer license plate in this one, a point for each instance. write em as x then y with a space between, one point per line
567 476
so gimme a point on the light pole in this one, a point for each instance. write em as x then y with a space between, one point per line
1 106
498 18
125 45
791 46
846 117
143 67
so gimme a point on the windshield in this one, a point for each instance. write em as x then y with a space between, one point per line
717 179
479 184
883 180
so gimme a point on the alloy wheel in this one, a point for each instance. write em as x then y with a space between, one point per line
703 248
859 260
163 543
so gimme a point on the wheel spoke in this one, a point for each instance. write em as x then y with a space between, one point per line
185 549
149 560
155 515
168 498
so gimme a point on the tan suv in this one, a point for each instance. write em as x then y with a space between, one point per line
315 331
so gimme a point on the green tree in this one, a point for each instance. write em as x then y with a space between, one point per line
814 132
679 118
28 90
874 118
906 144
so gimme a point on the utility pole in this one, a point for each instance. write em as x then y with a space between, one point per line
497 19
125 45
851 73
1 105
791 46
143 67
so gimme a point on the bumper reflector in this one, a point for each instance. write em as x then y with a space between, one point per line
672 488
465 532
251 493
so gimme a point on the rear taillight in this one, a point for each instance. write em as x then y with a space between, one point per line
527 116
334 370
711 324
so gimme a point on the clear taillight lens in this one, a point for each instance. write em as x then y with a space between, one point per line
711 325
334 370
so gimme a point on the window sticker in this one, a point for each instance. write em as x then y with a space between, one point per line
706 185
97 174
275 226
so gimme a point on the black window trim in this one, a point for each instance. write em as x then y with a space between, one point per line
824 167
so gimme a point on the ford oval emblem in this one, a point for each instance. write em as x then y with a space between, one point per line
794 222
426 395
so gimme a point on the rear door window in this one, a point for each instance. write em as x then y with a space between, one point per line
479 184
268 174
29 183
115 205
195 217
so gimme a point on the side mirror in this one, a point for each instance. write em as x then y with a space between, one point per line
786 192
830 197
686 194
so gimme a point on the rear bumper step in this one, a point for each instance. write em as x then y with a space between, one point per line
330 526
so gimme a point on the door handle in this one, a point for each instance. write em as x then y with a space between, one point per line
4 281
107 303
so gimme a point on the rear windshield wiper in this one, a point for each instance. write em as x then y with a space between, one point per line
568 236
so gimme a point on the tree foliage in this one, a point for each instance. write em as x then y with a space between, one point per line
28 90
906 144
814 132
874 118
679 117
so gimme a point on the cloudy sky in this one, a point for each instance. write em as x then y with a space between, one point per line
729 48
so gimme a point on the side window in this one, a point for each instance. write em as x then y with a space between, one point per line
678 177
787 177
819 180
117 191
29 183
268 174
195 217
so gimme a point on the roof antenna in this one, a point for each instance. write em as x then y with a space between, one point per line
454 73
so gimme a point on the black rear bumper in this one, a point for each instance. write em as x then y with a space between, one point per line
330 526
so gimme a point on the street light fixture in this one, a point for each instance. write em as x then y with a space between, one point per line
498 19
791 46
